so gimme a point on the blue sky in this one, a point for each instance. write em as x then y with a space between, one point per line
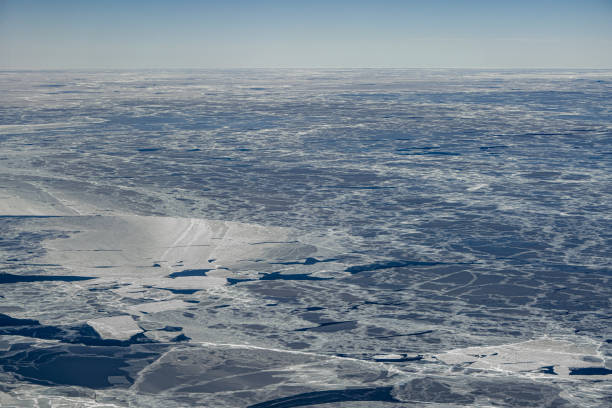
233 33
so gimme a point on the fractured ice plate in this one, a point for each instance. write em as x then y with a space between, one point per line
533 358
115 327
129 246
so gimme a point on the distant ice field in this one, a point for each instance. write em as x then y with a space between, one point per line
290 238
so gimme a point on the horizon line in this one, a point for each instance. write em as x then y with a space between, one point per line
9 69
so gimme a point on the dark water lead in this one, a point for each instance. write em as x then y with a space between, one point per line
181 291
548 370
329 327
233 281
388 265
382 394
10 278
278 276
180 338
172 328
295 276
189 272
307 261
590 371
6 320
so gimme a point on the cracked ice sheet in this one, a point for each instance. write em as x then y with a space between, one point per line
136 256
139 247
531 357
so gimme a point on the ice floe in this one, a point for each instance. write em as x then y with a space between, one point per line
539 357
115 327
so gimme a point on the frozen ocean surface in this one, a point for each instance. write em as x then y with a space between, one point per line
290 238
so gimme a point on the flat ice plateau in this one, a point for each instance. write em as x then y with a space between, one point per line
289 238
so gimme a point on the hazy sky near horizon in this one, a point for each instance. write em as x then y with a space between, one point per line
39 34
